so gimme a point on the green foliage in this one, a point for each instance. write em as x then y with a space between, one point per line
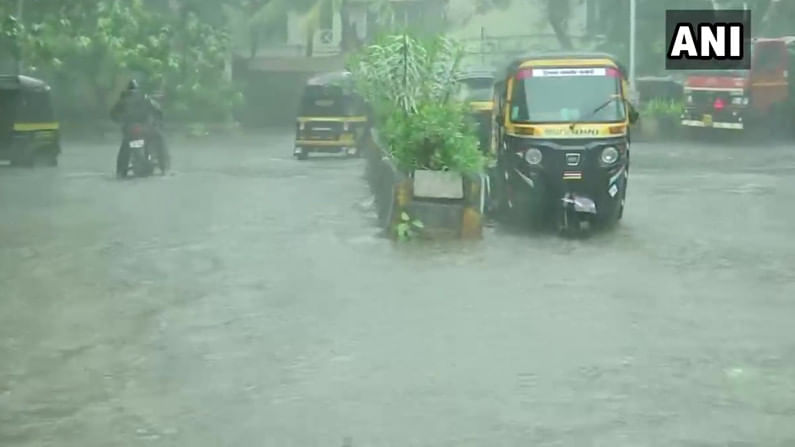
663 108
438 136
409 83
408 228
89 49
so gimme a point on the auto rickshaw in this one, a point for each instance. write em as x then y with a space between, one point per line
29 131
562 139
331 119
475 87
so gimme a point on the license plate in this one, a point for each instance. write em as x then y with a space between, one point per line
707 120
137 144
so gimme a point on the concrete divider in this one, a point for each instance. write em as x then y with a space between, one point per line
443 215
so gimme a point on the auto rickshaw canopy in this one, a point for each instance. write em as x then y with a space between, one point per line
25 105
517 62
330 95
18 82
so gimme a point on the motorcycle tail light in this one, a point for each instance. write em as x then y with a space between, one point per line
719 104
136 131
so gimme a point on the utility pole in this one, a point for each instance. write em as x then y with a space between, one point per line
20 6
632 38
483 45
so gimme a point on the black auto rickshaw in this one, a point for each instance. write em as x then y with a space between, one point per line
332 118
475 87
562 139
29 131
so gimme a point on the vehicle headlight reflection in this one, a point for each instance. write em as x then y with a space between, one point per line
533 156
609 155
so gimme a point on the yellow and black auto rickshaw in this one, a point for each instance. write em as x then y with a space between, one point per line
475 87
562 139
29 131
332 118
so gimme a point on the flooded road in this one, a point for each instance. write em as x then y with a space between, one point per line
248 300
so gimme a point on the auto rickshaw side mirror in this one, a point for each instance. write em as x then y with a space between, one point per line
634 116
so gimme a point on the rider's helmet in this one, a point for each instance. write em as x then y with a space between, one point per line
133 85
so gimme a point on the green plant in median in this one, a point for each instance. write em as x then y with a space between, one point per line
663 109
408 228
410 85
437 137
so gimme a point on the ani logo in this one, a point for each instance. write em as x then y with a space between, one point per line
706 39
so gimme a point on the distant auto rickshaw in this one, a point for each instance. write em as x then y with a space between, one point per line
562 139
332 118
475 87
29 131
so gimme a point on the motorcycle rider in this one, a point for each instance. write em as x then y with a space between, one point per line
135 107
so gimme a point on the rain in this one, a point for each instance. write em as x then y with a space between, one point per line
368 223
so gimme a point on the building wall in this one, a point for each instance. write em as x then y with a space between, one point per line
521 18
297 33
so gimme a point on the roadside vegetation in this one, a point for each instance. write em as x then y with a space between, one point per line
410 83
89 49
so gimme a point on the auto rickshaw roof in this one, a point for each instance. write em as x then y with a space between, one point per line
477 73
330 78
514 64
19 82
788 40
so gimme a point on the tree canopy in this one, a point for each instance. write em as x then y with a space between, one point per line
89 49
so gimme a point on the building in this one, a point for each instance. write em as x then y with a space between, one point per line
350 25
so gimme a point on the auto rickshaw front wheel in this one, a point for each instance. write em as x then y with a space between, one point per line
301 154
24 157
47 158
29 158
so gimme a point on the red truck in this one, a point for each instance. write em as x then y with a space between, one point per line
762 97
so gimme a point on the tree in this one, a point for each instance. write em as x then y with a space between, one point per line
259 15
89 48
556 13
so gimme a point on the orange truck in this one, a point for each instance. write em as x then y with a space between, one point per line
763 96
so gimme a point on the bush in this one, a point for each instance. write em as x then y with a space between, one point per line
409 84
663 109
438 137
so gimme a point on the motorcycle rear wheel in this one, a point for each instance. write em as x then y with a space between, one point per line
141 167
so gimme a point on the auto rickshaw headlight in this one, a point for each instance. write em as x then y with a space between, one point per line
533 156
609 155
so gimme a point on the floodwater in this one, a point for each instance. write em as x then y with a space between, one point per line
248 300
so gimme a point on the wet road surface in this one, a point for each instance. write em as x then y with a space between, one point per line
248 300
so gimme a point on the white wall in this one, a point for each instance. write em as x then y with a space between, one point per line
295 29
297 32
523 17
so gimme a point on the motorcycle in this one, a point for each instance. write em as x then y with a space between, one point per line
143 159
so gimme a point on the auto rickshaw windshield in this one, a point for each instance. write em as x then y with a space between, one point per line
35 106
553 95
327 101
475 89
